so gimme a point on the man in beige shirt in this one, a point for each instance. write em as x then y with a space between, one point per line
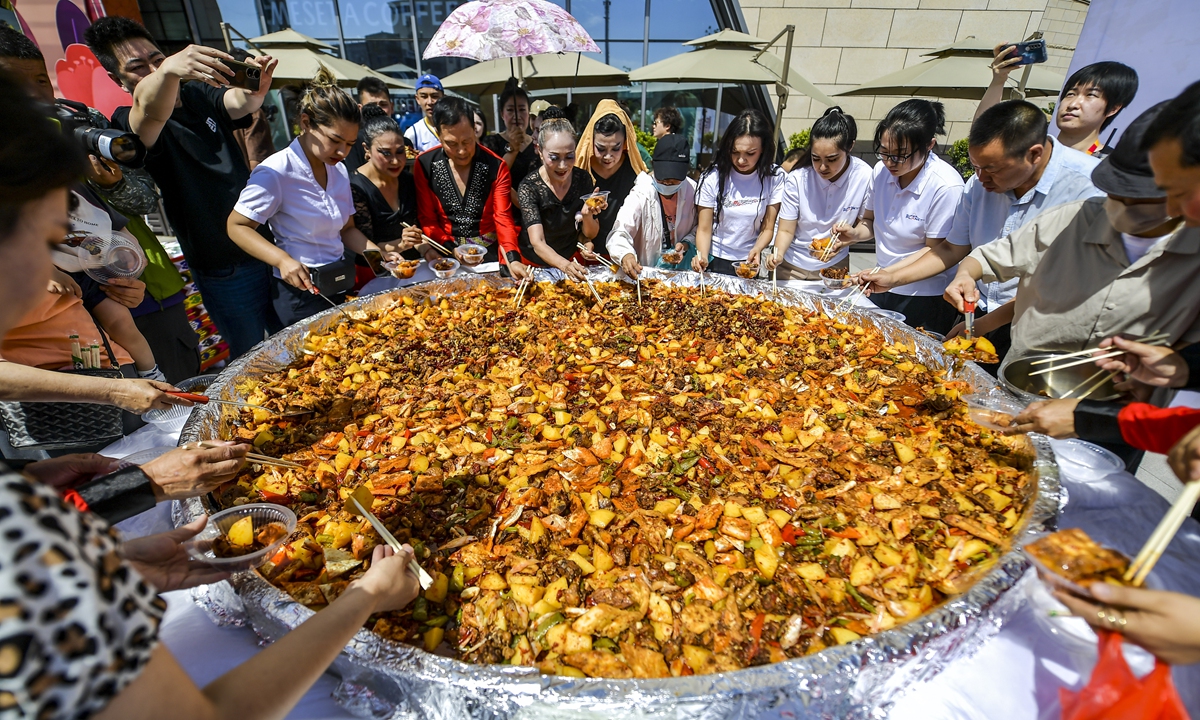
1096 268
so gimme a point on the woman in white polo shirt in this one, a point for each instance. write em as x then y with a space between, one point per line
739 196
303 193
914 195
828 186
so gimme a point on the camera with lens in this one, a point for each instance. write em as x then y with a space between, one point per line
124 148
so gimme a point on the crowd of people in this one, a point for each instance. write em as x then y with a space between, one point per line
1064 243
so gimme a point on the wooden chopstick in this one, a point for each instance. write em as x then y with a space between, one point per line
1089 351
612 264
594 293
258 458
422 576
1163 534
1092 358
431 242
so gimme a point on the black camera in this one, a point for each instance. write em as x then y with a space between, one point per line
124 148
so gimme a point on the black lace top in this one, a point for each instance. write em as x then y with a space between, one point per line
540 206
375 218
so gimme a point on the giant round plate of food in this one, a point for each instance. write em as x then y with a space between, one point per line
721 496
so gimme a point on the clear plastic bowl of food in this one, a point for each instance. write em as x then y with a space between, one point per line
402 270
891 314
993 410
211 545
745 270
470 254
174 417
836 278
672 257
445 267
1081 460
105 259
596 199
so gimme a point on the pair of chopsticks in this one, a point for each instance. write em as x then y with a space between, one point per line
261 459
1161 538
828 251
1087 355
612 264
519 296
1154 339
422 576
432 243
859 290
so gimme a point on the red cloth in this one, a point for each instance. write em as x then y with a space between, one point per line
497 212
1156 429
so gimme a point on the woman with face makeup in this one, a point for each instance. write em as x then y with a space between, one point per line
828 186
385 197
739 197
914 196
608 151
555 216
515 145
304 193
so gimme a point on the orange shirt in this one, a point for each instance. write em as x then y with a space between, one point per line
42 338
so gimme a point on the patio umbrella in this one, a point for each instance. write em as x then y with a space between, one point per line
730 57
494 29
299 56
541 72
960 70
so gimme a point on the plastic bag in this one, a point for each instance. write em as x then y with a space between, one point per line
1115 693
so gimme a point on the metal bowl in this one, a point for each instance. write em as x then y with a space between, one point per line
1016 378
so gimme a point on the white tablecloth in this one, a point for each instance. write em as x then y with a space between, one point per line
1016 674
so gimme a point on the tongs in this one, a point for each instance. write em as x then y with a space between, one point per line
422 576
968 318
204 400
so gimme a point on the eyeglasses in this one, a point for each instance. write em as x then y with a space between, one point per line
894 159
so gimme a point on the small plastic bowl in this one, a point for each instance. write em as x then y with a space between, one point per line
819 246
403 269
444 268
1081 460
105 259
745 270
200 547
594 198
174 416
672 257
834 283
993 410
470 254
890 314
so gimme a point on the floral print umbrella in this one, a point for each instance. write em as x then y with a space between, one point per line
495 29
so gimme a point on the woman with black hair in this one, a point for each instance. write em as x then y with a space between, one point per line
914 196
556 219
829 185
515 144
303 191
385 197
608 151
739 197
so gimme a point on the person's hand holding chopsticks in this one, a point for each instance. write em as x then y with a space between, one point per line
631 266
192 470
574 271
1153 365
389 581
1165 623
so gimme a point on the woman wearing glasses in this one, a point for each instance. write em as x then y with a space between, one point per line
914 195
303 191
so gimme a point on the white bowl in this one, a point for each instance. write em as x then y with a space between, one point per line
1081 460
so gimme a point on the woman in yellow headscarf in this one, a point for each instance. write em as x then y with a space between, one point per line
608 150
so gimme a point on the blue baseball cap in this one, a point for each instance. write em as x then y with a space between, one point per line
429 81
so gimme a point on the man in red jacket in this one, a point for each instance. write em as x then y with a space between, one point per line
463 189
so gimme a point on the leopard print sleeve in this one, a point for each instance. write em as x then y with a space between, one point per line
77 624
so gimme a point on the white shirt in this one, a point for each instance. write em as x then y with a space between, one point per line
817 205
905 217
422 135
307 219
638 228
744 206
1136 247
985 217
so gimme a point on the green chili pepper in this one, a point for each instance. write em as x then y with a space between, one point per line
859 598
604 644
439 621
420 610
308 496
544 626
458 578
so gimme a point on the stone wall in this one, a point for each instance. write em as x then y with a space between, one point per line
842 43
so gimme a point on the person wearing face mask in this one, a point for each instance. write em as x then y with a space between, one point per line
1092 269
660 214
385 197
608 151
556 218
1020 171
829 186
304 193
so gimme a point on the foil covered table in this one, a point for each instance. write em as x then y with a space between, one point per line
381 678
